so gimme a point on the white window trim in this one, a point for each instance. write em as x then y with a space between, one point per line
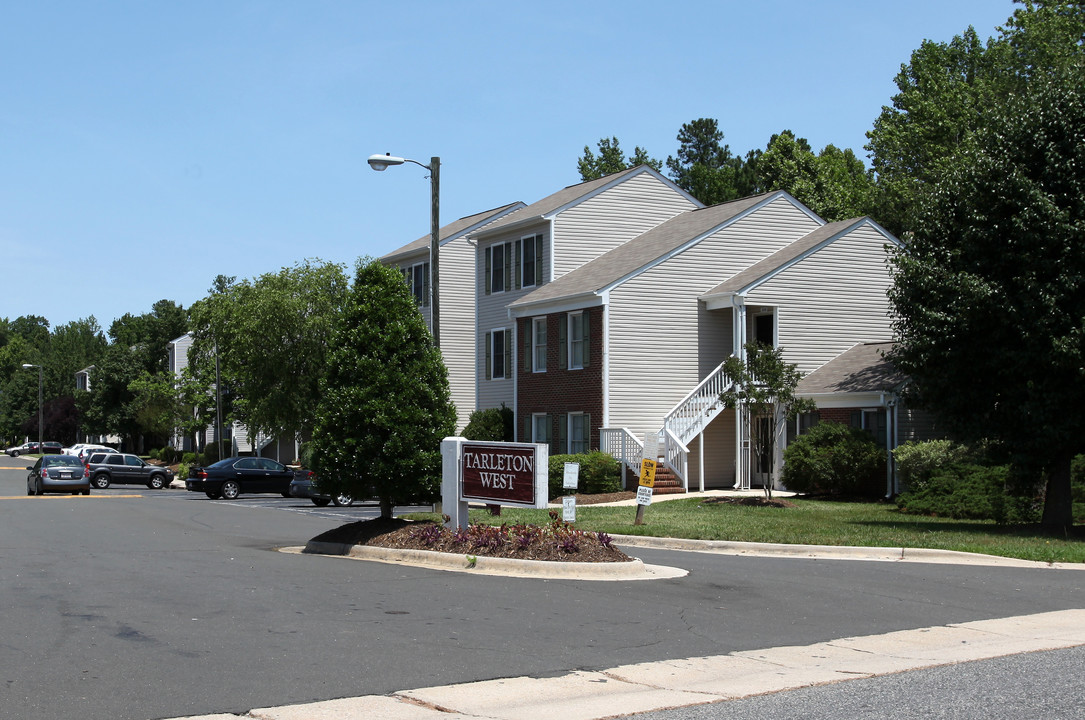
569 436
526 282
505 334
536 346
572 340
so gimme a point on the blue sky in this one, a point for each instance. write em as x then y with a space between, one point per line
148 146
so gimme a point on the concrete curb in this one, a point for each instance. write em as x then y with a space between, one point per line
829 552
506 567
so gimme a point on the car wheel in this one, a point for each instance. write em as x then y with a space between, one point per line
100 481
343 500
230 490
15 453
39 489
213 495
157 482
321 502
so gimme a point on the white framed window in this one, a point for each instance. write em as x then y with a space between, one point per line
498 269
417 279
541 428
578 341
529 261
579 432
498 354
538 344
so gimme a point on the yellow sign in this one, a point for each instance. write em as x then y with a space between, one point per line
648 473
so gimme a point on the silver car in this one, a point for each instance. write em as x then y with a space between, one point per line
58 474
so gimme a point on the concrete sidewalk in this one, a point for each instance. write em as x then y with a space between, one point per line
644 687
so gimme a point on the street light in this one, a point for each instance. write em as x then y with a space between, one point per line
40 391
382 162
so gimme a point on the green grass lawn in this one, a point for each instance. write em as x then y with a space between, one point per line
812 522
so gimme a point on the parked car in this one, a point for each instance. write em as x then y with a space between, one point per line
232 476
57 474
52 448
24 449
87 450
104 469
303 486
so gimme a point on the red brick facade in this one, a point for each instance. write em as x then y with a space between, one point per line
556 391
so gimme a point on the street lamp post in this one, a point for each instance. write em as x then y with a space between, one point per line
381 163
40 404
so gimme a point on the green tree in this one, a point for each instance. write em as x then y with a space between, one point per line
385 404
109 408
611 160
834 183
763 385
704 167
987 299
271 335
945 91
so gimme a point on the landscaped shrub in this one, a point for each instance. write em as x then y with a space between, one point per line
599 473
190 458
491 424
970 491
168 455
917 462
834 459
153 454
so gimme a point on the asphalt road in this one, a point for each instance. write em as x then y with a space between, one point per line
132 603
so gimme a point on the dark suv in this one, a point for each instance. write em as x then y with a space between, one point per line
108 468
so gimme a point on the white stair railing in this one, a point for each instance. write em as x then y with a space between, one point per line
624 446
689 418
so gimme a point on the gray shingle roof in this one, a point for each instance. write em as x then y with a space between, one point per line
449 231
641 251
859 369
782 257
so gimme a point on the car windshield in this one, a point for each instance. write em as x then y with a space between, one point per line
63 460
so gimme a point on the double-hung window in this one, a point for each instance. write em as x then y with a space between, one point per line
574 346
417 278
498 354
538 344
513 265
579 431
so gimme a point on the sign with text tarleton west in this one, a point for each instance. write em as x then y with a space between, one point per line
502 473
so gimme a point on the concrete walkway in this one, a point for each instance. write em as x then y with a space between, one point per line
645 687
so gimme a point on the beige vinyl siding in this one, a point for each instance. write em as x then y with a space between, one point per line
457 289
605 221
830 300
180 354
661 340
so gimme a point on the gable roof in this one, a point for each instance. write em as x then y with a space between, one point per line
784 257
860 369
453 230
572 195
644 250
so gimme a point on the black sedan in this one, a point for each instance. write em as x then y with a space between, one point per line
58 474
235 475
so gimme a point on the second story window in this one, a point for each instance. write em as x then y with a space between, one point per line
498 268
498 354
529 261
417 277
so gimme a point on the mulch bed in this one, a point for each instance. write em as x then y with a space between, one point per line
754 501
556 542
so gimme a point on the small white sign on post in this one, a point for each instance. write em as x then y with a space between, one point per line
568 509
571 478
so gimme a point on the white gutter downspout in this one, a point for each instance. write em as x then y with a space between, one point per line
738 332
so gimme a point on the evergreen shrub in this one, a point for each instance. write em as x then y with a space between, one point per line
599 473
834 459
